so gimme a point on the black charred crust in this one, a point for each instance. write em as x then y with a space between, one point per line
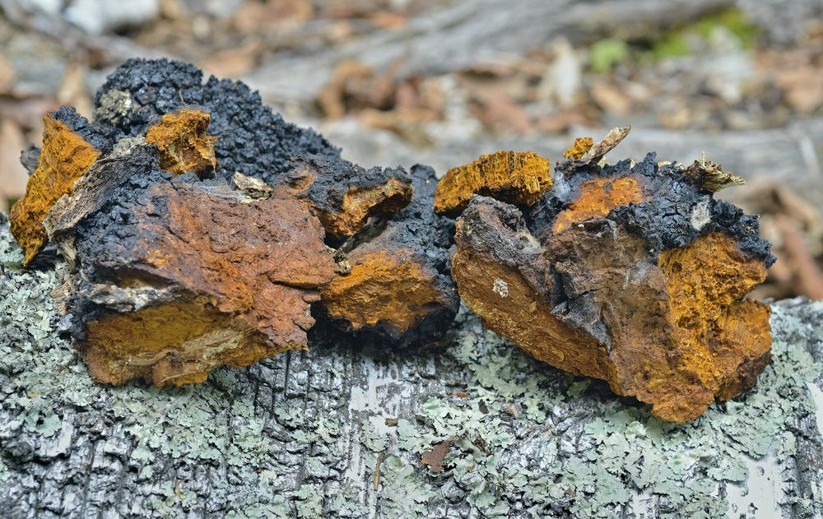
251 138
110 236
484 219
730 219
431 238
336 176
426 331
100 137
112 240
418 227
106 237
541 215
665 220
109 241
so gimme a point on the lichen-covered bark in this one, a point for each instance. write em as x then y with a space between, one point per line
341 432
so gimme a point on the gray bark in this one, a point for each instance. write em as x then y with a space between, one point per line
312 434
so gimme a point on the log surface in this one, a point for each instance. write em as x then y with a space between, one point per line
341 431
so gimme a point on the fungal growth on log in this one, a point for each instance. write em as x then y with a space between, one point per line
345 195
200 229
399 287
69 150
517 178
630 272
177 275
183 143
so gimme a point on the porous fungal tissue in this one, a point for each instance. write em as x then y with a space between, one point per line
201 229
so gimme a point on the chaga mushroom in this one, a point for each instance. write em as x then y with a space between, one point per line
183 143
398 287
250 138
142 96
197 227
345 195
630 273
69 149
176 276
516 177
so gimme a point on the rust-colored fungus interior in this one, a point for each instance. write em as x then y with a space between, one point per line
515 177
64 158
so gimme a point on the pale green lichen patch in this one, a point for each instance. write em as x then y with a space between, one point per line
340 432
619 451
407 494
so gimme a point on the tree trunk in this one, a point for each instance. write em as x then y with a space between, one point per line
342 430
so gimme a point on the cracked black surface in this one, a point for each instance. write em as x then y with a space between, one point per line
665 220
251 138
336 177
431 236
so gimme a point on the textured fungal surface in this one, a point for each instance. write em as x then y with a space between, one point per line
345 195
343 431
398 287
515 177
183 143
66 155
193 243
176 276
251 138
631 273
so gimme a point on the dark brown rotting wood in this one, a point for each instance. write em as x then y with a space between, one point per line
433 458
710 175
595 152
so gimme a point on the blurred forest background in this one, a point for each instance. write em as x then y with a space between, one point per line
441 81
